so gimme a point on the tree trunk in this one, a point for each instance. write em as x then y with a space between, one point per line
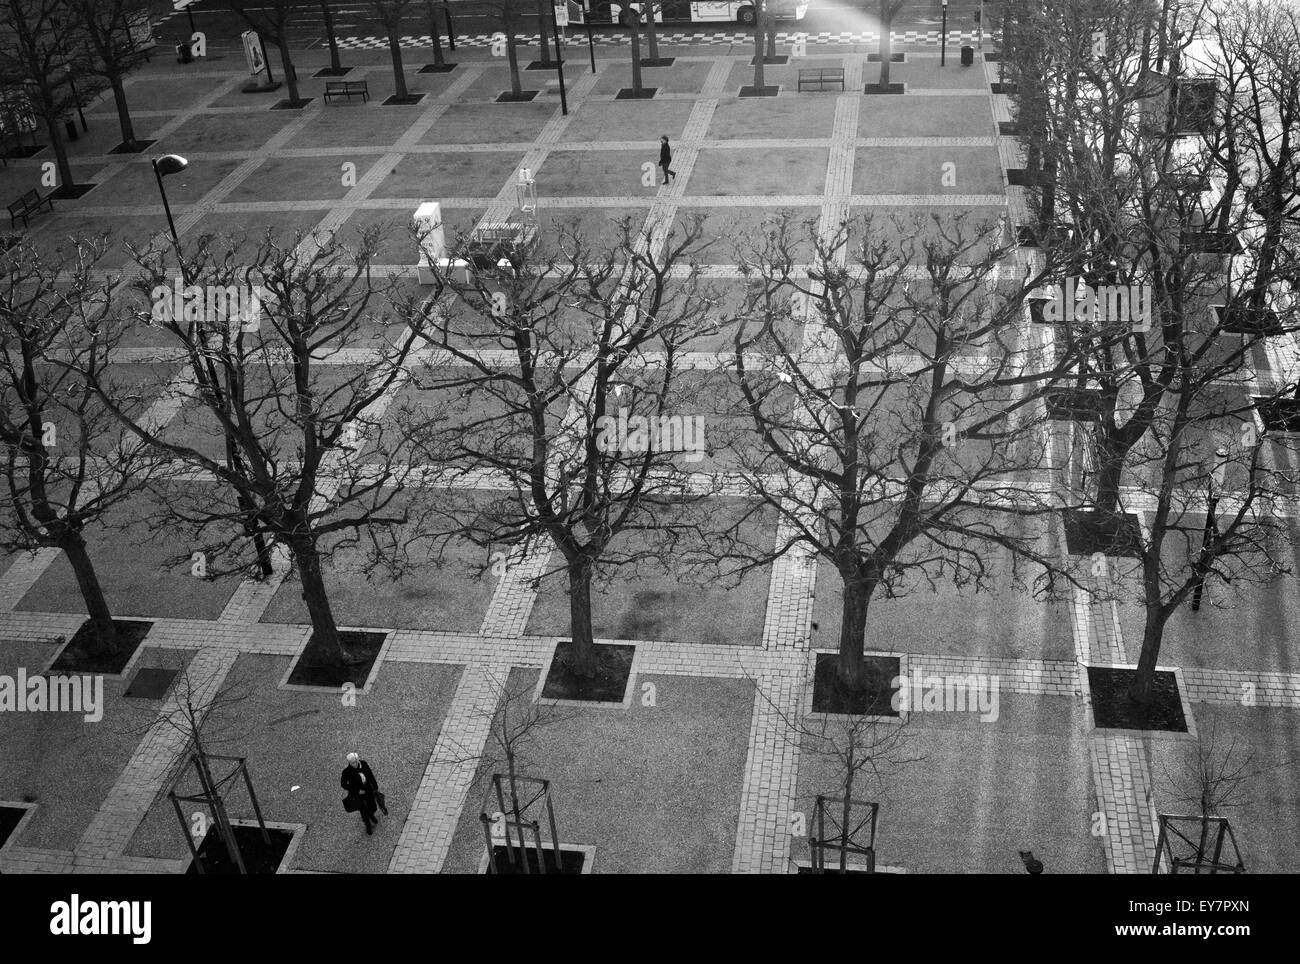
769 30
651 32
886 42
103 635
516 87
1140 690
286 61
123 111
853 630
399 75
324 628
434 36
60 151
543 21
759 80
335 63
1110 468
636 54
584 643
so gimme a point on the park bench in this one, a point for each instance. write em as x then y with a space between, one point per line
820 77
346 88
28 204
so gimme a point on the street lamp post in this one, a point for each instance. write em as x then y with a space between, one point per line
1214 486
943 43
162 167
559 61
591 43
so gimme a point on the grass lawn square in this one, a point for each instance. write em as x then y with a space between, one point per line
136 387
599 228
624 120
135 182
653 789
448 175
761 117
496 79
105 135
167 90
475 415
734 231
979 793
597 174
773 173
924 116
247 229
787 74
681 78
344 123
907 227
300 178
447 595
489 124
1001 621
269 403
61 761
224 132
921 170
925 73
141 576
651 601
727 304
1247 626
1259 745
296 744
57 233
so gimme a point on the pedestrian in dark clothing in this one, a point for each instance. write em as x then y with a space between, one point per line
363 790
666 158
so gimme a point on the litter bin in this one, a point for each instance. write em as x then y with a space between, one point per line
184 53
967 56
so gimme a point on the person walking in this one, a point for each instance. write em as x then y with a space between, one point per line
363 791
666 159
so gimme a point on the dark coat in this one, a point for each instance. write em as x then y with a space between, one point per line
665 155
352 781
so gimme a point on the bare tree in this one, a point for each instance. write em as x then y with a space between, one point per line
889 9
103 26
33 54
578 341
392 13
897 441
315 460
271 20
67 465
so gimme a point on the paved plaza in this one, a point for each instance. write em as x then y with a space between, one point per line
702 768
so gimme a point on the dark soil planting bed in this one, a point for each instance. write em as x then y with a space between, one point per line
1113 709
258 856
1089 532
571 861
875 698
77 657
319 666
9 817
614 666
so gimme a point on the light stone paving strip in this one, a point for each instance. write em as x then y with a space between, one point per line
436 809
772 763
151 765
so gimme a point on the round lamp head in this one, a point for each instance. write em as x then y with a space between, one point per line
170 164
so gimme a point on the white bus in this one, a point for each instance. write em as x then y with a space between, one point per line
683 11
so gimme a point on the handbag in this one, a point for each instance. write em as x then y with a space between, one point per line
379 799
351 803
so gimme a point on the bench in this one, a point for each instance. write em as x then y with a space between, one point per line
346 88
27 204
820 77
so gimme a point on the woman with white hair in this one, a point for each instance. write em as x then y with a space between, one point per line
363 791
